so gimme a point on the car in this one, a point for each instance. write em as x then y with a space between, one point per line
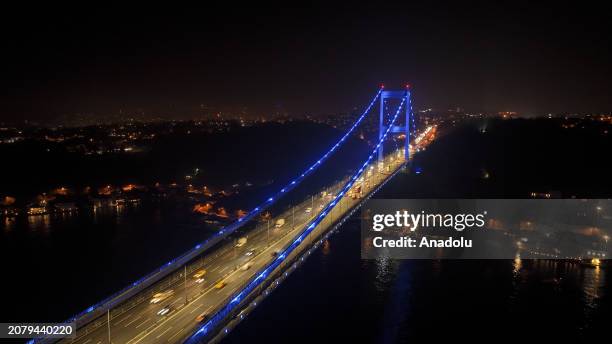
241 242
157 298
199 274
220 285
249 253
202 317
164 311
199 280
275 253
308 210
246 266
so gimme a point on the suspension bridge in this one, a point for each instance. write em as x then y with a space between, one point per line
201 295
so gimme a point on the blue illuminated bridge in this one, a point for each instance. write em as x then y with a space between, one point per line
201 295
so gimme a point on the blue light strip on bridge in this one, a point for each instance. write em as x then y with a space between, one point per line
216 319
414 130
110 301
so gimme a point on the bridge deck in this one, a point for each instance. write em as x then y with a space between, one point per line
137 320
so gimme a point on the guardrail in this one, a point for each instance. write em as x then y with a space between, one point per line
231 319
97 310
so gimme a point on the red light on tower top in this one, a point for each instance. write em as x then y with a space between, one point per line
407 86
382 85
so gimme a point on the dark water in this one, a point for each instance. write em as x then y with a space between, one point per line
337 297
54 266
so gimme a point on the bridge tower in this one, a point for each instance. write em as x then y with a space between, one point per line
405 129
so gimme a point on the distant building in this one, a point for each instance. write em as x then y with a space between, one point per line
548 194
507 114
37 210
66 207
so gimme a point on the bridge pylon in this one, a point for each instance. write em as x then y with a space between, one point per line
405 129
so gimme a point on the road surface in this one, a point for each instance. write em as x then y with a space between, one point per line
138 321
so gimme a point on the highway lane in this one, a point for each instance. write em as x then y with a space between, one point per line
373 177
141 315
139 322
214 300
183 324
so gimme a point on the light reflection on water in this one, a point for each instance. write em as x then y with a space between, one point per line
383 272
8 224
45 223
592 289
393 301
41 223
517 265
557 280
326 248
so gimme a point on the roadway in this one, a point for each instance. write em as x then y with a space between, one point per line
137 320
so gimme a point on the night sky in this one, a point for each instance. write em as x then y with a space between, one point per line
309 60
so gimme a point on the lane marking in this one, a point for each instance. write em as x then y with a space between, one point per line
147 332
178 300
122 320
142 323
161 334
176 334
196 308
133 321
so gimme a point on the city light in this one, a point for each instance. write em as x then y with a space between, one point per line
191 161
221 314
108 302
